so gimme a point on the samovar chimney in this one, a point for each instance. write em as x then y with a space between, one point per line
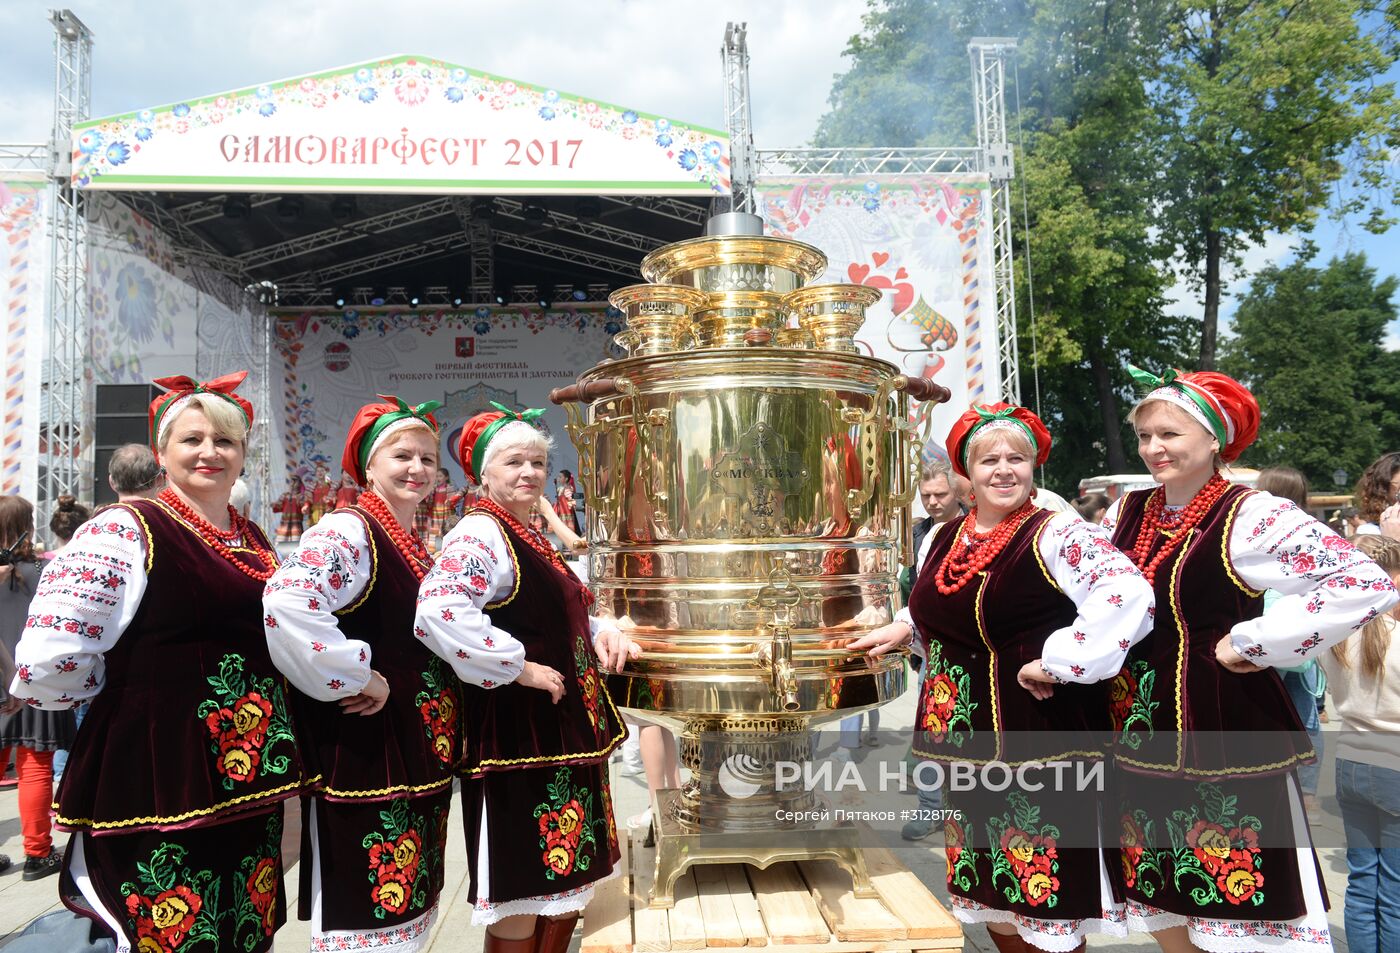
734 223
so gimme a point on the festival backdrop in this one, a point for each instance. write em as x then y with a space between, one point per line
926 242
23 278
334 361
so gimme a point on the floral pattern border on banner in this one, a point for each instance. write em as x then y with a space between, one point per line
101 146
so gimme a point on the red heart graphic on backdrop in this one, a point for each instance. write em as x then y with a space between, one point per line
880 257
858 273
901 273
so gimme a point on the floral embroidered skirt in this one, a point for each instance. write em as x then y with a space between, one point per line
207 889
373 870
538 839
1222 857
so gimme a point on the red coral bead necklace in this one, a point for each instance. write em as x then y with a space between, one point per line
1176 526
972 552
409 543
219 539
533 538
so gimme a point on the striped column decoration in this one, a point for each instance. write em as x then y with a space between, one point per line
972 314
11 408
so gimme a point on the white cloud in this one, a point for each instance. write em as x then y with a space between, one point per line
654 55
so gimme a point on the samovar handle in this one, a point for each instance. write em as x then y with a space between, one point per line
600 389
922 388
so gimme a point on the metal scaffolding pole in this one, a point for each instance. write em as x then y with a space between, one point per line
65 400
990 57
738 117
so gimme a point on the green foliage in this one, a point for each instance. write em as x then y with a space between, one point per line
1310 343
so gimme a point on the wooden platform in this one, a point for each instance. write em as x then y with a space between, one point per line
805 907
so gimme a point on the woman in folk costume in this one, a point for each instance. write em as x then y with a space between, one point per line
539 724
347 493
1214 840
377 713
564 505
292 506
320 500
1024 613
440 500
153 613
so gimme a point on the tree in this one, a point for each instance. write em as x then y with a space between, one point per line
1087 175
1310 344
1264 107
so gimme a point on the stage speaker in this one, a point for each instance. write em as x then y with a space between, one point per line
120 418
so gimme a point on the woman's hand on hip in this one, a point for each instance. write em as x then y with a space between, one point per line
370 699
1226 655
544 678
614 649
887 638
1034 679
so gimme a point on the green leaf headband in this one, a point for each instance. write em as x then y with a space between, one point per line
1172 380
510 416
1000 418
422 412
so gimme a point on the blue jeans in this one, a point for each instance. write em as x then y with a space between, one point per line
1301 687
60 757
850 727
1370 800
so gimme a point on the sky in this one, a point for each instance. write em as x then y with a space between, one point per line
657 56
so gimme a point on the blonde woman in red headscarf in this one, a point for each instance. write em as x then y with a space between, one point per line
378 713
153 613
1024 614
1214 839
539 724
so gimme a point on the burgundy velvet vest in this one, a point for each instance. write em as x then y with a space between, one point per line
412 744
971 707
1176 709
512 726
192 723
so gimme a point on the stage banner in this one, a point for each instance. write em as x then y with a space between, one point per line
405 124
926 243
334 361
23 283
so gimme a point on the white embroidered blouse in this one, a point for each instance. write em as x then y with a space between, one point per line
1114 601
1329 589
473 570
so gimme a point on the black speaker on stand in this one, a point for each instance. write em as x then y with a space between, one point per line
121 419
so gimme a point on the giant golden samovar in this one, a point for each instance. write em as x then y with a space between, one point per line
747 474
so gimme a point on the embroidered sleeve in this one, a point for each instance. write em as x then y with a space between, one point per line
1329 589
1110 518
329 570
1115 602
473 570
83 602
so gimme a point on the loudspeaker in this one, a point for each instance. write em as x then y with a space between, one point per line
120 418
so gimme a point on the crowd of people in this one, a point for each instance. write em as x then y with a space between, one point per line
416 636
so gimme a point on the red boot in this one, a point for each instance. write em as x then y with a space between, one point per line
553 935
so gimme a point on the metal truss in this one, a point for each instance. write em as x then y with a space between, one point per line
990 57
573 225
862 162
211 208
65 406
25 157
190 248
343 234
676 209
574 256
738 116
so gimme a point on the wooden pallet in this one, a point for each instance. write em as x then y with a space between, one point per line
805 907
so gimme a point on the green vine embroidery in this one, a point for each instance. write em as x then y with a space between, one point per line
947 700
400 872
962 857
1025 854
1218 849
1130 703
258 884
170 904
567 840
246 719
437 706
